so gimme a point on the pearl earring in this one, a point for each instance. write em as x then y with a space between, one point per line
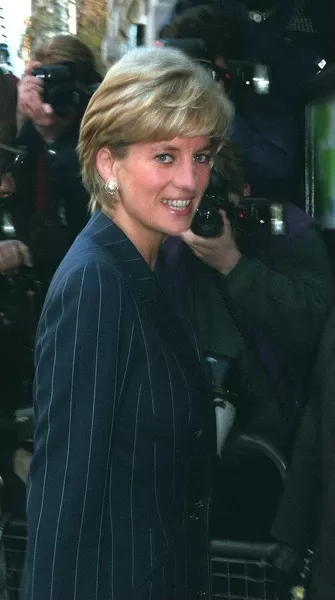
111 187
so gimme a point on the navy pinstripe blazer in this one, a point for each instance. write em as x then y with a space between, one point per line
119 484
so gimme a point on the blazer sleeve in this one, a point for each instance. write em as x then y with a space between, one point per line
76 393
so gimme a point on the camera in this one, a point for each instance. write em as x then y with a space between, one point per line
253 75
60 87
236 73
252 216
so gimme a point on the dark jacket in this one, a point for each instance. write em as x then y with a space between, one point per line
51 203
266 132
306 515
267 313
65 191
119 484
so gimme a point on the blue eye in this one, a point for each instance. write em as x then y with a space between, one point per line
164 158
203 158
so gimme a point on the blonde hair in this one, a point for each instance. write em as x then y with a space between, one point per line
64 48
150 94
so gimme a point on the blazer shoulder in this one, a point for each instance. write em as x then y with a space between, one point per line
85 270
87 254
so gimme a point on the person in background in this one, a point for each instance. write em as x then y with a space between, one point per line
305 518
51 202
260 300
258 303
14 353
119 484
266 127
302 24
263 126
8 99
294 35
13 253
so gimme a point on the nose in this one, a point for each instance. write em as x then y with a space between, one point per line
185 177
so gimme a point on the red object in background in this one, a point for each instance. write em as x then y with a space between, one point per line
41 183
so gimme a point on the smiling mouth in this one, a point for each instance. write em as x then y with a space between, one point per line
177 204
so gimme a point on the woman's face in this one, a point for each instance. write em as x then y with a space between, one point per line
161 185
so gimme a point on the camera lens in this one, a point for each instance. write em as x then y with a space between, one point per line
207 224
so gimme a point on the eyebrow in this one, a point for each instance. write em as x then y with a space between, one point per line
176 149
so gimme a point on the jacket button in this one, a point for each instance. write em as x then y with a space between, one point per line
198 433
202 594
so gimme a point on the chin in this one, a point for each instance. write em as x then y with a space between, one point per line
177 231
178 228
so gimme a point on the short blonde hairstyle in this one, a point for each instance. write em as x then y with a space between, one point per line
149 95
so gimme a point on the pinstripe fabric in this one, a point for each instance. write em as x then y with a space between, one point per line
119 484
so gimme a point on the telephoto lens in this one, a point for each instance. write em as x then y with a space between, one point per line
258 216
250 217
207 221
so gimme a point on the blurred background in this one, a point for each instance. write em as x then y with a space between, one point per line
108 27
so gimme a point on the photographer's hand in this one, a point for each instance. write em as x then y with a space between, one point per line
13 254
219 253
7 185
30 101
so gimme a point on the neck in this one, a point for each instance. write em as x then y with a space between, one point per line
145 240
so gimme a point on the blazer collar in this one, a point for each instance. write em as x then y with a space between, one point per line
105 233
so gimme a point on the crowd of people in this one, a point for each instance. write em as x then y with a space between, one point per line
101 179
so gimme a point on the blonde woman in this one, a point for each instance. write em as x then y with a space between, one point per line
119 485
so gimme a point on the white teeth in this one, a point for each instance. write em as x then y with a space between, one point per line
177 203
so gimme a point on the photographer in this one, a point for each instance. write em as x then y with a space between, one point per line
8 98
51 205
259 300
13 253
264 126
16 311
305 517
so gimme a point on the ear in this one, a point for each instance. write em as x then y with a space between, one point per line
106 164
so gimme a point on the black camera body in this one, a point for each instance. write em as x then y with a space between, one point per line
251 216
255 76
60 87
236 74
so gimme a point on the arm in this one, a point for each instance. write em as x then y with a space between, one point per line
312 471
289 301
295 521
13 255
75 398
